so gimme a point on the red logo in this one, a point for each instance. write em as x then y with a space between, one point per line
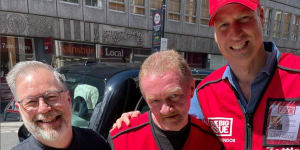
288 110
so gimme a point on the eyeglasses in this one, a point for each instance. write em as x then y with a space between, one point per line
51 98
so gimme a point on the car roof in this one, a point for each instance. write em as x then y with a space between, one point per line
97 69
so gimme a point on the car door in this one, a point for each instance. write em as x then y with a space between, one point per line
121 95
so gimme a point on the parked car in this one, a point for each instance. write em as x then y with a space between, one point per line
101 92
5 95
11 112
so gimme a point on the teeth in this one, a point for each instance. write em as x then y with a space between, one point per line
46 121
239 45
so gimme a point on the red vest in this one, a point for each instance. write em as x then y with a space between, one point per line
224 112
139 136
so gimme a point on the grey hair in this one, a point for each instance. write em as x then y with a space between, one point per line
24 67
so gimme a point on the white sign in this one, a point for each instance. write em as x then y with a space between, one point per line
163 44
284 122
221 126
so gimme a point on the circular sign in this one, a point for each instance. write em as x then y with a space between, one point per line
156 18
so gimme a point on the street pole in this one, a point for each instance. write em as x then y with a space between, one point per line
163 19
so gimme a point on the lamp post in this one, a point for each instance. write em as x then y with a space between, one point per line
163 19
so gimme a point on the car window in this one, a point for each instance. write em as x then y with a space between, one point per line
11 106
86 92
142 106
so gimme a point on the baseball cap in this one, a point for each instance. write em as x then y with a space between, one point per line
215 5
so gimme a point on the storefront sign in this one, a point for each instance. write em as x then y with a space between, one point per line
77 49
118 54
5 45
115 52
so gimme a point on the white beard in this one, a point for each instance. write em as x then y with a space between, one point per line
48 134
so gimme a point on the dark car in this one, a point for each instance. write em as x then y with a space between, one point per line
101 92
11 112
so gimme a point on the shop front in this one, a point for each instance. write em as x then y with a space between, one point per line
13 50
197 60
71 52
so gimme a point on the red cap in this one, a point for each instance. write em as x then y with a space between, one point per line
215 5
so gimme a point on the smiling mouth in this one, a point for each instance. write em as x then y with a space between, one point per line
49 121
239 46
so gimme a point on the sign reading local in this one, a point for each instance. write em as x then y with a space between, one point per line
115 52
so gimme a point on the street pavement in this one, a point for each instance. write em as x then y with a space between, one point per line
9 134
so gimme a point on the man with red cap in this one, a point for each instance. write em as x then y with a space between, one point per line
258 83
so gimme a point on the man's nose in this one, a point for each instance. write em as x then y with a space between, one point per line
235 31
166 109
43 107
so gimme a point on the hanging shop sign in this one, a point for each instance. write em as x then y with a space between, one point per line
157 30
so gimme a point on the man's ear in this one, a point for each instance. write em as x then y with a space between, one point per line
68 97
261 16
215 36
192 87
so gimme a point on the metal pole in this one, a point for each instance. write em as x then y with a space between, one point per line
163 19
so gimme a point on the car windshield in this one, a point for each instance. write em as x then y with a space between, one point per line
85 92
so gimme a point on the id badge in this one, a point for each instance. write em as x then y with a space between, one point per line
281 124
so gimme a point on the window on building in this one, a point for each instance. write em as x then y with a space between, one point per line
286 25
94 3
190 11
118 5
174 10
277 19
295 26
268 14
204 12
71 1
155 5
137 7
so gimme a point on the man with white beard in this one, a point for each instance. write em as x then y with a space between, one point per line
46 109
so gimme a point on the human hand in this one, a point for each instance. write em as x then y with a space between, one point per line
125 118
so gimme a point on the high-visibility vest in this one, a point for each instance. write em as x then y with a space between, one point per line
237 130
140 136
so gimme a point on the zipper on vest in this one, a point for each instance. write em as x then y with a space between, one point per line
249 126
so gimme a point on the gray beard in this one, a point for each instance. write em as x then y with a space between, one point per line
48 134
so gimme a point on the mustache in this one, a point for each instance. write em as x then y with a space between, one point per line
169 115
48 115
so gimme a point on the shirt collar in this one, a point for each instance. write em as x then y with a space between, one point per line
275 54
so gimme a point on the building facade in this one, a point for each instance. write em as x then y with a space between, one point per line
64 31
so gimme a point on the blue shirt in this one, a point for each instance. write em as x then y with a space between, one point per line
257 86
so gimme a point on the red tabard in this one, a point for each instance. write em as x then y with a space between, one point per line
139 136
224 113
